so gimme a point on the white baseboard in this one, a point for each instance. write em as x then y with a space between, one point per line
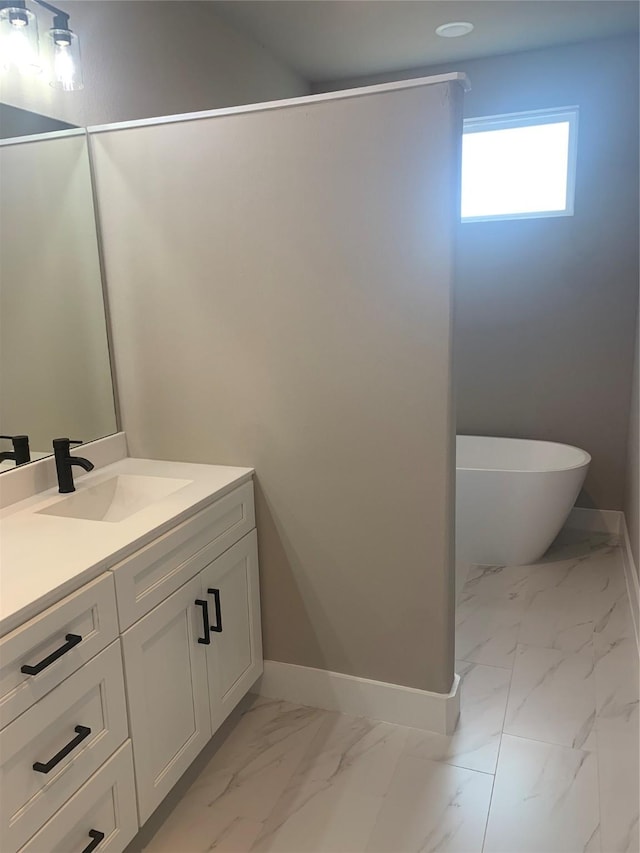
596 520
613 522
362 697
631 575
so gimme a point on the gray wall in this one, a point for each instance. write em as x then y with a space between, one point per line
281 298
545 308
145 58
632 496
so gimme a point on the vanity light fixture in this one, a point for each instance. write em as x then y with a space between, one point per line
454 29
20 48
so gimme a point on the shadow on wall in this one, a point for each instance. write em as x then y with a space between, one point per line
281 577
285 579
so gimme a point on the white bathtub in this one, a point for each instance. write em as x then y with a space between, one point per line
513 496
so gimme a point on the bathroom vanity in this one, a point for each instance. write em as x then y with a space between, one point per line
130 628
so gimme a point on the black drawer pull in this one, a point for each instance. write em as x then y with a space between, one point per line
71 641
206 640
216 598
96 837
81 733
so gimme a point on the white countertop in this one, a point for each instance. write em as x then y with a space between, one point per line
45 557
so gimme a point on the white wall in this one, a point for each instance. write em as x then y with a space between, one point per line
144 58
281 298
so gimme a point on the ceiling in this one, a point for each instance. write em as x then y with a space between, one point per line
325 40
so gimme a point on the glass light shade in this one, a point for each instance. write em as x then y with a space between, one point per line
19 40
64 53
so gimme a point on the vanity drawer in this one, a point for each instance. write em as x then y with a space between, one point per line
48 644
105 806
145 579
53 748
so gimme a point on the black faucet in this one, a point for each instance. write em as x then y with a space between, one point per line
20 453
64 463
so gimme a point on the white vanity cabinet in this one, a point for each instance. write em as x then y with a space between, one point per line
108 695
41 653
167 691
187 665
63 714
101 816
234 656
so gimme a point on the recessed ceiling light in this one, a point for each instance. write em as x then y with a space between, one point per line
454 29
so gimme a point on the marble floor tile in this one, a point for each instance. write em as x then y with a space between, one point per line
619 775
495 583
332 800
332 821
572 544
552 697
549 704
545 800
489 613
462 570
267 730
617 729
351 752
488 633
476 740
241 784
577 564
433 808
557 619
616 679
194 831
559 612
612 613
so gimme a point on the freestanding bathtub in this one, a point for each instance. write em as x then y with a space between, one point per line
513 496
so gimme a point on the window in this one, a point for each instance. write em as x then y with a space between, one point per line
520 165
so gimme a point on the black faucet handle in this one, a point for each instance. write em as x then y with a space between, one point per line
62 442
21 450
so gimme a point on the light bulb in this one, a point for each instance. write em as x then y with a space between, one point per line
65 60
19 40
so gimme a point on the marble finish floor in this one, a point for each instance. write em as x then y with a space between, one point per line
544 758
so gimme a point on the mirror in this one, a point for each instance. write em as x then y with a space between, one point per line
55 375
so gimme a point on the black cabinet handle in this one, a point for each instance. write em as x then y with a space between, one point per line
71 641
82 732
96 837
206 640
216 598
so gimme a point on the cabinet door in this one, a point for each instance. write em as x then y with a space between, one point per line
234 658
168 697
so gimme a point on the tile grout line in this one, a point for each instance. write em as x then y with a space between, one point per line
595 751
550 743
504 716
495 774
488 665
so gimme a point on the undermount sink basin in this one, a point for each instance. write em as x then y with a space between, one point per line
115 499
